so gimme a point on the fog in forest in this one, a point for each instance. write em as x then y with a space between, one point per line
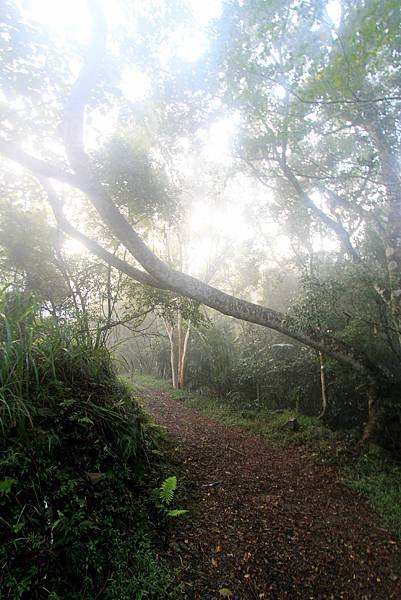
200 218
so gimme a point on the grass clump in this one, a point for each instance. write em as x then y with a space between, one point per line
77 462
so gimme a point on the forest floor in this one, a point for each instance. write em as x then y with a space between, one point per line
269 522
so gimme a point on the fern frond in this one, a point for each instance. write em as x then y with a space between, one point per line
167 489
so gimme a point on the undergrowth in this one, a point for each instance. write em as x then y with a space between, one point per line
78 461
372 473
379 480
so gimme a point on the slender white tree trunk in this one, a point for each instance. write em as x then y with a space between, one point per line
323 385
179 349
183 356
173 360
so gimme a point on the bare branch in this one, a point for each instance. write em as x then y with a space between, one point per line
354 101
334 225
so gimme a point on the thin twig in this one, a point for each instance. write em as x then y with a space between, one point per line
234 450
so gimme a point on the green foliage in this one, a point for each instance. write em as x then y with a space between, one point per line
28 246
137 573
38 356
19 361
6 485
176 512
210 362
165 494
77 461
165 303
167 490
138 182
379 480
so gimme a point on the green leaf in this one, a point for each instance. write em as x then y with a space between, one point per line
85 420
225 592
18 526
177 512
6 485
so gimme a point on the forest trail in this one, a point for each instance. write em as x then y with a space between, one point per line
270 522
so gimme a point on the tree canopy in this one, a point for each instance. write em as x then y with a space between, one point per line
310 93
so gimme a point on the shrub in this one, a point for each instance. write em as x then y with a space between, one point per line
75 459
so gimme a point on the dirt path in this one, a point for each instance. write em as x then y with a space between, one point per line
271 523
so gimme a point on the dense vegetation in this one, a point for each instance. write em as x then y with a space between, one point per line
78 459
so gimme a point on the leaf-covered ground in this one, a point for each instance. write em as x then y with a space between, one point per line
270 522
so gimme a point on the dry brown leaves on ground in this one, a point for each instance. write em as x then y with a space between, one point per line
270 522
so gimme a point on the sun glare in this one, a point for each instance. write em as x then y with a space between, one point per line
217 140
135 85
70 17
228 222
333 9
187 44
206 11
100 125
279 91
72 246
